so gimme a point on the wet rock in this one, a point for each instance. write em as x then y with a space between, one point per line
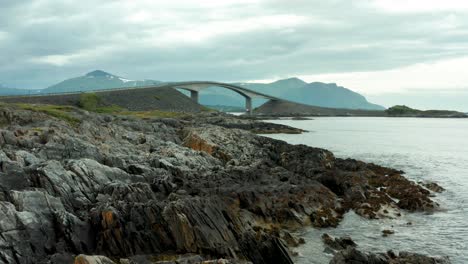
387 232
340 243
433 186
406 257
353 255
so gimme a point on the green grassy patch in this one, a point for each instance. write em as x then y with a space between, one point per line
113 109
92 102
89 101
207 109
57 111
153 114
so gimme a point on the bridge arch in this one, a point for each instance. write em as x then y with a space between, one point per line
196 87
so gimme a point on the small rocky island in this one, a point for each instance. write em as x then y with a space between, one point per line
288 109
405 111
82 187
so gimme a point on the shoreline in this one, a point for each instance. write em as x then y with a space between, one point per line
311 117
203 184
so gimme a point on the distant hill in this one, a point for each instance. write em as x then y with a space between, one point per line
296 90
13 91
96 80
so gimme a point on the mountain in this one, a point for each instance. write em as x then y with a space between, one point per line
95 80
13 91
316 93
292 89
296 90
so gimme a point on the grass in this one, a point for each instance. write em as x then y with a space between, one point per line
207 109
92 103
153 114
89 101
57 111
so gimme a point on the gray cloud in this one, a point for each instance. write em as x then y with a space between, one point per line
46 41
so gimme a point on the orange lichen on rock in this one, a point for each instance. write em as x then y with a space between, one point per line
196 143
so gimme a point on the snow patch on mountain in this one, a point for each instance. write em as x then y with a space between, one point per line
125 80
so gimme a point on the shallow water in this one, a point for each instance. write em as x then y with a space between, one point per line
426 149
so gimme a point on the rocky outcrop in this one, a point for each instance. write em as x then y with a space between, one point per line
339 243
123 187
353 255
345 251
244 122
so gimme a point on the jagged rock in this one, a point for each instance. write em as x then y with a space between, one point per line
125 187
338 243
406 257
432 186
353 255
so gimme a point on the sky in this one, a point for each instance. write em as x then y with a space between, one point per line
412 52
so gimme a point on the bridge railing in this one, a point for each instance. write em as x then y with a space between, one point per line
86 91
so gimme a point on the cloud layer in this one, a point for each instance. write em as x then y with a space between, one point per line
46 41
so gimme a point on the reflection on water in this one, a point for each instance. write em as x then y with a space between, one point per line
426 149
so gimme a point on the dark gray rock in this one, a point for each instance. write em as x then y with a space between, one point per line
352 255
204 185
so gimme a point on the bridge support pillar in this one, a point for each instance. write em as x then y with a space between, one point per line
248 105
194 96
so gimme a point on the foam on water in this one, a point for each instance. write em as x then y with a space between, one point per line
426 149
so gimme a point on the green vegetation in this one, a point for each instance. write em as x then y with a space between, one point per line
405 111
207 109
225 108
57 111
153 114
92 102
399 110
89 101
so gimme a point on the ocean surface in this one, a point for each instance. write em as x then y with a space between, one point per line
427 150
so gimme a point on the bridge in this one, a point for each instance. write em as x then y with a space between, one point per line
193 86
196 87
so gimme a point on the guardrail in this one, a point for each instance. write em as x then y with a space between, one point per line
87 91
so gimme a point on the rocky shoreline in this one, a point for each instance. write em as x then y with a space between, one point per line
160 190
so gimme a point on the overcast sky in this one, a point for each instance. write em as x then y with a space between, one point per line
392 51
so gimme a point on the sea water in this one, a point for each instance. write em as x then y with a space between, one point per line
427 150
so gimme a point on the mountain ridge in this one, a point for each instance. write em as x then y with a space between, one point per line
319 94
292 89
96 80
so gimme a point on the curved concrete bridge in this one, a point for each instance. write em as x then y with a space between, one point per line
196 87
193 86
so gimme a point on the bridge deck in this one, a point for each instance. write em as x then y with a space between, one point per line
246 91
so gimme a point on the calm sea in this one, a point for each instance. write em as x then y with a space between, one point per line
426 149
